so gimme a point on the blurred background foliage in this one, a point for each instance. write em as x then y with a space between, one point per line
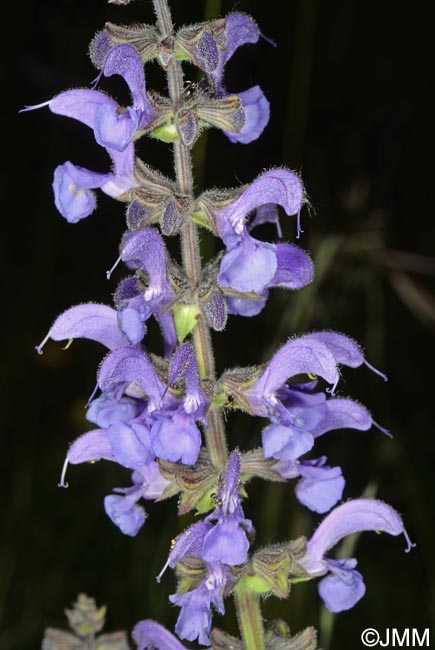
349 88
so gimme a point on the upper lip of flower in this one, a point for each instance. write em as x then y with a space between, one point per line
353 516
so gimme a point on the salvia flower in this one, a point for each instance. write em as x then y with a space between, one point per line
123 509
221 537
146 251
126 446
220 541
174 433
301 415
241 29
73 185
227 542
139 420
343 585
90 321
150 635
300 412
298 415
319 487
194 621
251 265
114 128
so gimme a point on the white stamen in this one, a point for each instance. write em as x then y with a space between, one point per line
298 226
34 107
375 370
332 390
94 82
159 577
39 347
383 430
91 396
62 482
408 541
110 271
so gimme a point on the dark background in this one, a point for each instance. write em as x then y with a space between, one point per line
349 86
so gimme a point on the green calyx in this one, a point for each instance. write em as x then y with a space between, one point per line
185 319
166 133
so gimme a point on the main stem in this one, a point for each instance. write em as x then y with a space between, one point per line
190 252
250 618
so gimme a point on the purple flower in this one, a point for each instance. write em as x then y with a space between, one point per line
122 508
113 125
174 434
227 542
240 30
257 266
221 538
131 390
250 265
194 621
146 251
113 407
176 437
184 366
319 354
319 487
128 444
114 128
276 186
90 321
300 356
130 366
299 413
125 513
343 586
299 416
72 185
122 412
150 635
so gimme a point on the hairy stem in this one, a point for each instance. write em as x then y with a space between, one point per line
190 252
250 618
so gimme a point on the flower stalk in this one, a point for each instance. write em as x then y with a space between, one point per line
190 251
